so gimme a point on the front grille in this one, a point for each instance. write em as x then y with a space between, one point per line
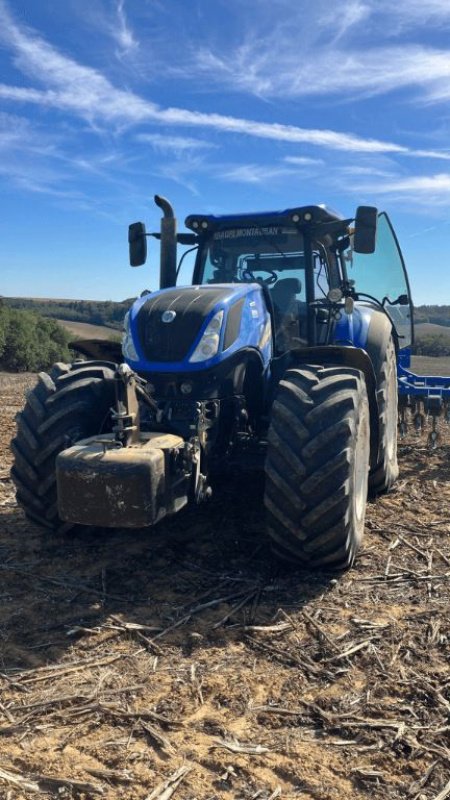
171 341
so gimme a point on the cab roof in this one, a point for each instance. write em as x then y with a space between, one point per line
301 215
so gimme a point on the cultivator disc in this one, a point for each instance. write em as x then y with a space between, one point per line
425 415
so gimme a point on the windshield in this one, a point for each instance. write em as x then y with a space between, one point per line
274 257
262 254
238 255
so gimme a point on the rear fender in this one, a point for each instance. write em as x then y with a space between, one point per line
348 357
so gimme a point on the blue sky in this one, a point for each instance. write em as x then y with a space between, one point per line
221 106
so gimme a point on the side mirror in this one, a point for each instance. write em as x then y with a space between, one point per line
365 229
137 240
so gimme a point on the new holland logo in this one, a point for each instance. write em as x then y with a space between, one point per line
168 316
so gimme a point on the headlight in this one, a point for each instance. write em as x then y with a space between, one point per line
128 348
209 343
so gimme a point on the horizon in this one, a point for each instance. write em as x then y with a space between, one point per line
125 299
106 105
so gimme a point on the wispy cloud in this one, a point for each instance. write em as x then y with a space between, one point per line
327 71
303 161
14 131
122 31
373 171
87 93
426 184
305 51
262 173
351 15
178 145
42 162
31 163
430 192
58 81
255 173
407 14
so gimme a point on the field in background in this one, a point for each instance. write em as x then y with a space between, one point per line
82 330
430 329
106 313
424 365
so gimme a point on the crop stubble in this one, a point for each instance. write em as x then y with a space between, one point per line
183 662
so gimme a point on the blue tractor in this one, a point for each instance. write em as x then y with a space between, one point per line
281 356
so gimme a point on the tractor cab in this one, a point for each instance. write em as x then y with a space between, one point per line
306 260
271 254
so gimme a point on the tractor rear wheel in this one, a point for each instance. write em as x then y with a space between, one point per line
317 466
69 404
383 476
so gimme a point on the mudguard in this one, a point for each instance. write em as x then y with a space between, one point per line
368 328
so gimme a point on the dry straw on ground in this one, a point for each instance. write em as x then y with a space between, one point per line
182 662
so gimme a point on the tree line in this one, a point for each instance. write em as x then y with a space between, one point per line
438 315
95 312
30 342
432 344
111 313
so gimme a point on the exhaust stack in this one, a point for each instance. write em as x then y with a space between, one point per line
168 273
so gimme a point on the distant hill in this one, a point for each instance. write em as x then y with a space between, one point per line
431 329
93 312
432 339
436 315
84 330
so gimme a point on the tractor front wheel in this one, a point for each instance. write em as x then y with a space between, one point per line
317 466
69 404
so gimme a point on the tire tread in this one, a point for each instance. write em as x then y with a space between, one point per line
308 494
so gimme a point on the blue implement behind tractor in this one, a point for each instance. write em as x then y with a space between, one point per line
424 395
281 356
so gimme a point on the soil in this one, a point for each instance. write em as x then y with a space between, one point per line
184 661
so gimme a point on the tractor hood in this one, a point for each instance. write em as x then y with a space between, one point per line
196 327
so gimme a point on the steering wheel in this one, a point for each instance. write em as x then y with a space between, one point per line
248 275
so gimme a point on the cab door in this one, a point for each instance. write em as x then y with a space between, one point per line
382 276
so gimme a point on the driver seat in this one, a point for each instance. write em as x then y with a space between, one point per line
283 294
287 310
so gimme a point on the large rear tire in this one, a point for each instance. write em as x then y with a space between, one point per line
383 476
317 466
69 404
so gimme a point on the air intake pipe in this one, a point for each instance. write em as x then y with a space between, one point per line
168 269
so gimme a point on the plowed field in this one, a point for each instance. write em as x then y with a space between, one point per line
183 662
